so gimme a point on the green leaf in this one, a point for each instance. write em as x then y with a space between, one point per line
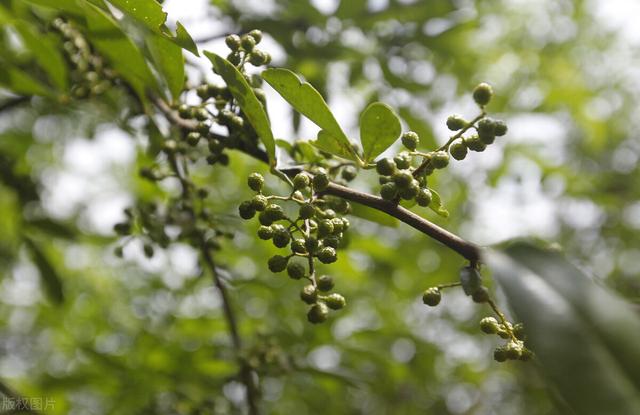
586 339
169 62
379 128
17 81
69 6
122 53
436 204
151 15
308 101
45 52
246 98
373 215
50 278
470 280
331 144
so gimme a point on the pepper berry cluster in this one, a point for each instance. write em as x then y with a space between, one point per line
313 233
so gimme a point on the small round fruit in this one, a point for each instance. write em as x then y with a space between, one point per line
247 42
296 270
513 350
411 191
458 150
256 35
403 179
309 294
259 202
389 191
500 354
277 263
257 57
403 160
312 244
246 210
440 159
456 122
499 128
265 233
335 301
301 181
432 296
518 331
410 140
385 167
320 182
298 246
481 295
482 94
318 313
349 173
489 325
327 255
280 240
325 283
274 212
424 197
307 211
255 182
474 143
233 42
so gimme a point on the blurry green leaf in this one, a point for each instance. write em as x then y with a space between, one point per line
379 128
436 204
122 53
308 101
169 62
284 144
18 82
70 6
373 215
50 278
330 144
150 14
470 280
155 139
586 339
249 103
52 227
45 52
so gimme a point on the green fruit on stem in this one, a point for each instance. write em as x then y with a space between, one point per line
432 296
349 173
320 182
458 150
307 211
325 283
277 263
327 255
482 94
489 325
335 301
410 140
246 210
233 42
247 42
259 202
389 191
296 270
440 159
500 354
309 294
265 233
481 295
424 197
318 313
500 128
403 160
385 167
456 122
301 181
256 35
255 182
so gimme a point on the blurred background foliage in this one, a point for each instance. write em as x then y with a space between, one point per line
101 334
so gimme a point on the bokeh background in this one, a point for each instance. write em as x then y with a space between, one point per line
138 335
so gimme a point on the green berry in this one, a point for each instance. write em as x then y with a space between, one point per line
318 313
333 241
309 294
499 128
385 167
489 325
247 42
233 42
403 160
335 301
338 225
264 219
482 94
486 131
265 233
256 35
500 354
307 211
349 173
458 150
274 212
325 283
301 181
410 140
312 244
277 263
432 296
327 255
403 179
474 143
280 240
234 58
440 159
320 182
411 191
193 138
513 350
255 182
259 202
424 197
389 191
481 295
185 111
456 122
325 227
257 58
201 114
296 270
518 331
298 246
246 210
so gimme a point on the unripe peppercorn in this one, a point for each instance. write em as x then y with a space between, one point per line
474 143
458 150
280 240
255 182
403 179
298 246
265 233
234 58
482 94
247 42
432 296
456 122
257 58
184 111
500 354
489 325
246 210
410 140
335 301
320 182
389 191
411 191
259 202
301 181
309 294
312 244
486 129
403 160
193 138
349 173
327 255
513 350
264 219
424 197
338 225
318 313
201 114
440 159
500 128
274 212
256 35
307 211
325 227
296 270
481 295
385 167
277 263
233 42
332 240
325 283
518 331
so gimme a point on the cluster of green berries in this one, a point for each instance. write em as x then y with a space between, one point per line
243 49
400 179
514 349
90 74
314 233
